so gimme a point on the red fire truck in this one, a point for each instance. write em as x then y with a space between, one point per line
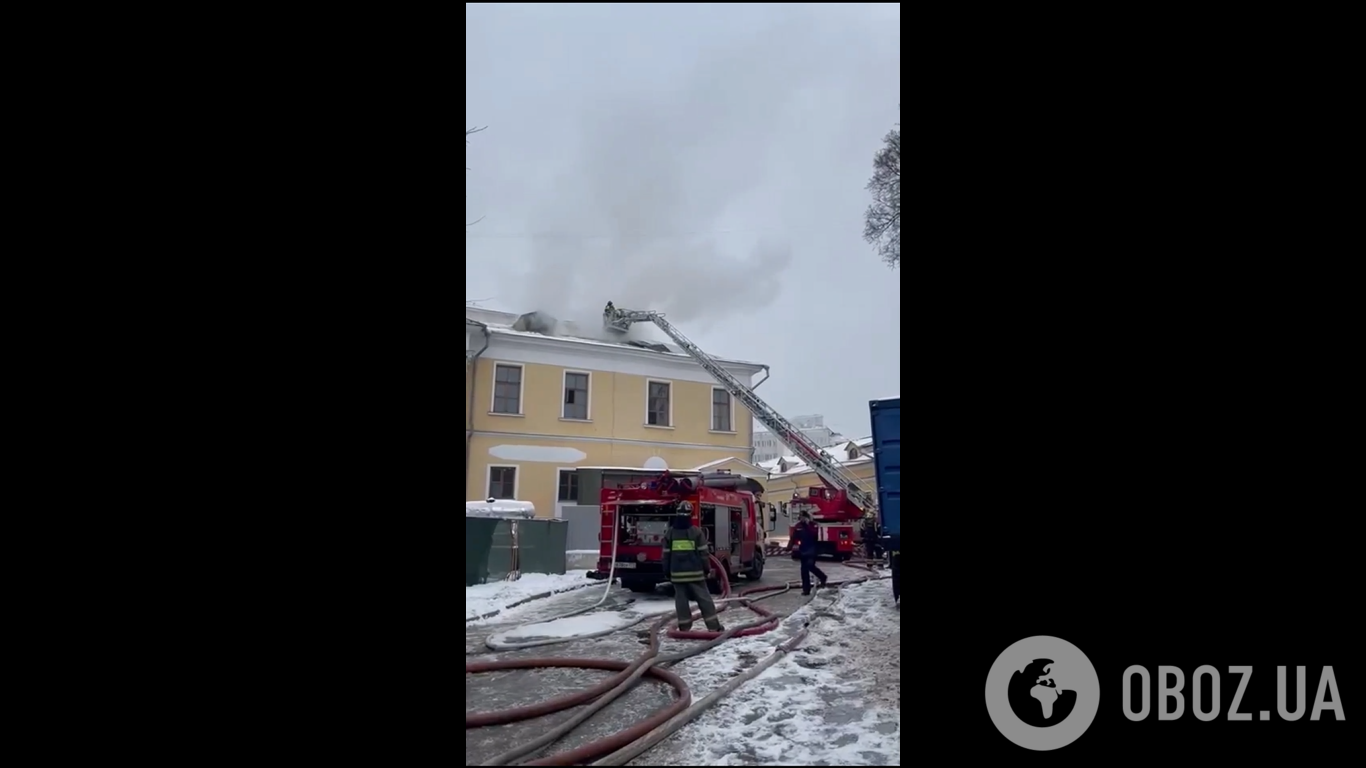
835 517
636 519
836 508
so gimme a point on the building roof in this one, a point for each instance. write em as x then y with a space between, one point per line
862 453
703 467
501 324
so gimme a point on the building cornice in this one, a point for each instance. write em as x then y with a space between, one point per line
588 347
851 463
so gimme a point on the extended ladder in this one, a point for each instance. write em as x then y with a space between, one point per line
801 446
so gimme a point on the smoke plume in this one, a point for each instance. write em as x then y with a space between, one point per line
642 215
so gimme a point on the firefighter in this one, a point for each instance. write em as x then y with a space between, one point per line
870 536
804 536
685 552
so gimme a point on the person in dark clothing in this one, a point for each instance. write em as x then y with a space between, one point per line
870 536
685 564
804 536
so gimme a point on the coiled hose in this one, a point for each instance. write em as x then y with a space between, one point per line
630 742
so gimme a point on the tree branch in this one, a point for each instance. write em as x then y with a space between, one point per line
882 220
469 132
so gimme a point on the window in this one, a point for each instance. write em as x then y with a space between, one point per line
502 482
507 389
569 486
657 406
720 410
575 396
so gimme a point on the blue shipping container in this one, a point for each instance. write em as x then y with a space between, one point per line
887 462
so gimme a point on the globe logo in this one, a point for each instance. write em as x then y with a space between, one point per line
1042 693
1037 698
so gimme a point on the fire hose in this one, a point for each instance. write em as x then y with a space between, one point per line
611 574
630 742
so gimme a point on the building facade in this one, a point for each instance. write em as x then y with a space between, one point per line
767 447
539 405
787 474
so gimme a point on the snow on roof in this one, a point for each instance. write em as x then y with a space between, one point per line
500 508
719 462
656 470
840 452
716 463
501 323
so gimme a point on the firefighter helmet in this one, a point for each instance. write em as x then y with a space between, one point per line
683 508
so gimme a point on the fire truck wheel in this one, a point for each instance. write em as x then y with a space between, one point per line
713 585
756 571
638 585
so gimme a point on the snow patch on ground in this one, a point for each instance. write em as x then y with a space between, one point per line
485 598
585 624
835 701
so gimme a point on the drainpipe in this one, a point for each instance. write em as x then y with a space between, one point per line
473 362
761 381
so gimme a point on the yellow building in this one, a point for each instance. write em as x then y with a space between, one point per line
538 405
788 474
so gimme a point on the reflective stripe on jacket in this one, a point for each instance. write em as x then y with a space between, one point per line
685 555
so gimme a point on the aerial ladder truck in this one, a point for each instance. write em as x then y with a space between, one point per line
838 506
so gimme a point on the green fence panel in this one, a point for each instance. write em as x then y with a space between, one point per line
478 541
489 547
500 552
557 542
542 545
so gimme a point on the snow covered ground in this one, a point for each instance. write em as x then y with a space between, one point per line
835 701
586 624
484 598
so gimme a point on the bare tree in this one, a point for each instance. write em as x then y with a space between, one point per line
468 133
882 221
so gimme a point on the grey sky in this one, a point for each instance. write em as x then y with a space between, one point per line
703 160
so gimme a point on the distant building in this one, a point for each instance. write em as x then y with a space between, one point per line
767 447
788 474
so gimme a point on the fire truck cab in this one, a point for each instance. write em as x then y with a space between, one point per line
642 513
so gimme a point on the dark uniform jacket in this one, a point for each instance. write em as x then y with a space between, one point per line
685 555
803 536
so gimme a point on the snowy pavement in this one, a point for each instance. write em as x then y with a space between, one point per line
499 595
835 701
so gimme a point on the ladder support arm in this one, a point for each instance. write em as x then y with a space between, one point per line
825 466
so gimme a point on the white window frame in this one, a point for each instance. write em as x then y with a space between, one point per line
516 480
564 387
670 425
521 389
711 412
560 505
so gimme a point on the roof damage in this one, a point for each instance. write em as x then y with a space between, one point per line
540 323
